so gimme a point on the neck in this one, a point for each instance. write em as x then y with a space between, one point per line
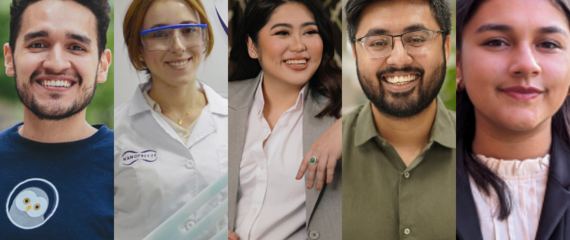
406 132
408 136
70 129
497 142
176 100
278 95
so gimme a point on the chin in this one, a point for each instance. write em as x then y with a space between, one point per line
521 122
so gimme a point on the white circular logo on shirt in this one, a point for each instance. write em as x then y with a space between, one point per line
31 203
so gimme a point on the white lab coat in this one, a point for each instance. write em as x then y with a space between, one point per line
166 173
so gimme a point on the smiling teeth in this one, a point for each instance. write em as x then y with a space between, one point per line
178 64
56 83
296 62
401 80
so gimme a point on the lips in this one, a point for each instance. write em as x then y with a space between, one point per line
522 93
297 63
179 63
56 83
399 80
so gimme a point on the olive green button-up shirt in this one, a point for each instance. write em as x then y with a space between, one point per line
384 199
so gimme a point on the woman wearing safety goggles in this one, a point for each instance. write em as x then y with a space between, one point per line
171 137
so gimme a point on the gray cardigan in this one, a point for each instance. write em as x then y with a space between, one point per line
324 207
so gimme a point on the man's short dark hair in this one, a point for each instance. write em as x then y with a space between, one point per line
439 8
100 9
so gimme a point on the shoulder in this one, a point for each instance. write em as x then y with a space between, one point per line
122 109
350 118
217 104
234 87
239 84
7 134
452 116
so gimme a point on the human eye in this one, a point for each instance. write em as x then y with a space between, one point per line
77 48
417 39
312 31
495 43
282 33
549 45
37 45
188 30
378 42
158 34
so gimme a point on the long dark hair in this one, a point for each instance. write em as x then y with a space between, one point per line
326 80
485 178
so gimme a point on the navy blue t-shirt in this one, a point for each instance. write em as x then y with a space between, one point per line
56 190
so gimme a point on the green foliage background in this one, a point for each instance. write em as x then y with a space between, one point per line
11 110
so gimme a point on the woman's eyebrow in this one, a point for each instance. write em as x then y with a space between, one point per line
163 24
308 24
287 25
281 25
551 29
494 27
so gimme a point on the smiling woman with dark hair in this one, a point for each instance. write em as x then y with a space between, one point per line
284 93
513 160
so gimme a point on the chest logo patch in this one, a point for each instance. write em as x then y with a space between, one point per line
130 157
32 203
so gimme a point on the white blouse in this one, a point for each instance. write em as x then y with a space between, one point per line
526 180
272 203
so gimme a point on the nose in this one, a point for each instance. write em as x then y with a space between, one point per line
399 56
56 60
524 63
177 46
297 45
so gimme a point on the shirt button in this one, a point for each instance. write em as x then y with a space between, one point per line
407 231
384 144
407 175
189 224
190 164
314 234
186 134
254 210
261 165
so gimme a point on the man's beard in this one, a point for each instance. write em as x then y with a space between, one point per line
403 104
44 112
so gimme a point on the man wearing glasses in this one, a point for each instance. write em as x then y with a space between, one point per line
399 148
57 169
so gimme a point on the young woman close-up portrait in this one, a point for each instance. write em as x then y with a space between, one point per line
513 82
285 97
171 137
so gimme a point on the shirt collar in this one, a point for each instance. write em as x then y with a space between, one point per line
442 131
259 101
142 102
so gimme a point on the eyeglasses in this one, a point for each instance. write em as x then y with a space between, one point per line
162 38
377 46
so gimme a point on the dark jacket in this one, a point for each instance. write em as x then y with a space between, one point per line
555 217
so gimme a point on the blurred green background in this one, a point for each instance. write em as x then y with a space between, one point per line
11 110
352 95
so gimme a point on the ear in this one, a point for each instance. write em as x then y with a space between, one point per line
447 49
251 49
104 66
353 51
8 60
458 73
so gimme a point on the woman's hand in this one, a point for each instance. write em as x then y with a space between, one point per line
232 235
327 150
